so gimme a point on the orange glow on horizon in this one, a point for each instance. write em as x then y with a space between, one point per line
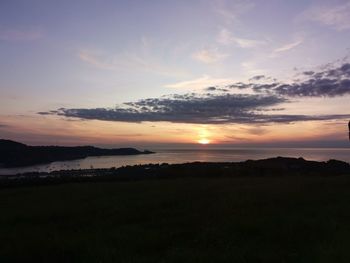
203 141
53 130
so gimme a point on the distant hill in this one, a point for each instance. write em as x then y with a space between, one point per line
15 154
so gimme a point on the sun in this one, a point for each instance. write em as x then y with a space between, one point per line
203 141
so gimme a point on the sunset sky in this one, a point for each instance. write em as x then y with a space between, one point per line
173 73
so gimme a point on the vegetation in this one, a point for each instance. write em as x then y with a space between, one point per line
193 219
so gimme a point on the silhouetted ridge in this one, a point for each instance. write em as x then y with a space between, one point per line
8 145
14 154
279 166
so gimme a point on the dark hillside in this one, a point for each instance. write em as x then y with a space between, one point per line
14 154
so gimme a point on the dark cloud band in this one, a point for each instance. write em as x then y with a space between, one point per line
188 108
332 82
219 106
209 109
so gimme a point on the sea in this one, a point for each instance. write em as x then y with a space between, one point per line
172 156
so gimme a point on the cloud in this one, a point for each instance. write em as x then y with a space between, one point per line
127 61
332 82
251 68
248 43
20 34
218 104
209 56
336 17
216 89
188 108
230 11
256 130
94 60
225 37
197 109
257 78
308 73
210 88
288 46
199 83
316 88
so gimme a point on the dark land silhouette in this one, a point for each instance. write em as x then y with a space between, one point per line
279 166
15 154
275 210
282 209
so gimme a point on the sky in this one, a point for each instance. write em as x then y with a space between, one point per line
165 73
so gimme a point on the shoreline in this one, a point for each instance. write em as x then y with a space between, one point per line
179 156
277 166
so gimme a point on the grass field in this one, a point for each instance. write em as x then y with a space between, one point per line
260 219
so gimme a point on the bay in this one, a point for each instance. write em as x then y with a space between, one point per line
188 155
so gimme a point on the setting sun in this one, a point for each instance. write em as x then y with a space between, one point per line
168 127
204 141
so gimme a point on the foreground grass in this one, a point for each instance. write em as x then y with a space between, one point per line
271 219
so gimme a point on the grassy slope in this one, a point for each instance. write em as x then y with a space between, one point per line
279 219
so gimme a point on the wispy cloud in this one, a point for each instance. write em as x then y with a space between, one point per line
130 61
248 43
92 59
230 11
209 56
20 34
251 68
225 37
199 83
288 46
336 17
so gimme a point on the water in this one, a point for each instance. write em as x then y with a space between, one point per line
183 156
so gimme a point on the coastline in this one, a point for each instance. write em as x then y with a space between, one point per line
178 156
278 166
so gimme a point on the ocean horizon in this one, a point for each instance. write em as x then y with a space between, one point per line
173 156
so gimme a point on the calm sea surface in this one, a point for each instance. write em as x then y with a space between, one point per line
183 156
